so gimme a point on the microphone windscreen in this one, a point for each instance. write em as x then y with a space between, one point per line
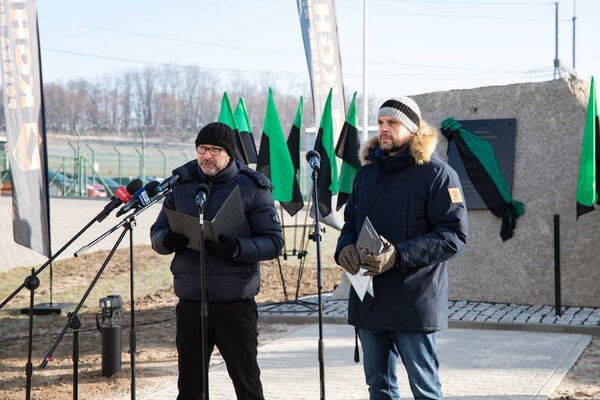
151 188
134 185
123 195
202 188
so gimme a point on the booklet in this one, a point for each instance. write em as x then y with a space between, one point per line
369 239
225 222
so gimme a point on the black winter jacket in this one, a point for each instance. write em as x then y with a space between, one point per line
260 238
411 206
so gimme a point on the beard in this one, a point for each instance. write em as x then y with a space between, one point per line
392 146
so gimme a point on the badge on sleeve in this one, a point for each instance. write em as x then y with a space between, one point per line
276 218
455 195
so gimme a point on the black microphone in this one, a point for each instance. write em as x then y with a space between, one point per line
314 159
201 194
122 196
140 198
179 174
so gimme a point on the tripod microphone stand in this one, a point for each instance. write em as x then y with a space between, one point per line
32 282
128 224
73 320
314 159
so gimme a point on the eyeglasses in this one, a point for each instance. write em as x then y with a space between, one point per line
213 151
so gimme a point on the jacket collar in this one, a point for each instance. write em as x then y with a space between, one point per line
420 147
227 174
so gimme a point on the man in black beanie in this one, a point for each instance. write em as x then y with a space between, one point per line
231 265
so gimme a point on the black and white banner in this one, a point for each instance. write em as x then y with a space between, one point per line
25 130
320 34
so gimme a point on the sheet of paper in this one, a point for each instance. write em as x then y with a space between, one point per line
361 283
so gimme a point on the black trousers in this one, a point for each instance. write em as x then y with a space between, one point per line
232 327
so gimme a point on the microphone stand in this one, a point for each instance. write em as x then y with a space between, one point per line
316 237
129 223
74 324
32 282
203 304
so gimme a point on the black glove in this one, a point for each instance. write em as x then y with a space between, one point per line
227 248
175 242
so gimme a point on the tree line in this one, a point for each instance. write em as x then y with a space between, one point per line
166 100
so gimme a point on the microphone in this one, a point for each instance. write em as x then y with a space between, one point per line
179 174
201 194
314 159
122 196
140 198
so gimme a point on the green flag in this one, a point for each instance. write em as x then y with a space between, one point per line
483 169
293 144
347 149
245 131
588 183
274 159
226 116
327 182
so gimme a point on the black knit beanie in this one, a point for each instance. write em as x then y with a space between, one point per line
217 134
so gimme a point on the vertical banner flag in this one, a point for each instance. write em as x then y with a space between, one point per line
327 182
25 125
293 144
274 160
226 116
321 45
347 149
245 131
588 183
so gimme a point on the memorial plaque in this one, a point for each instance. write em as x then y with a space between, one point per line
501 134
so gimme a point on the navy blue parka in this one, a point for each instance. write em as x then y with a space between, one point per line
411 199
259 237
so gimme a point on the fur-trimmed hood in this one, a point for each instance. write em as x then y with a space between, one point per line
422 145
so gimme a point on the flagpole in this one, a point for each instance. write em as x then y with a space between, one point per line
365 80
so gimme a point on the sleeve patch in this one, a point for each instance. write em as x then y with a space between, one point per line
455 195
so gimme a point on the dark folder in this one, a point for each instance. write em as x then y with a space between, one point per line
225 222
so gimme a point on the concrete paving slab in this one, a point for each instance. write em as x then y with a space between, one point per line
475 364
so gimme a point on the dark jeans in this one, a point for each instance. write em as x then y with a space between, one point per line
381 350
232 328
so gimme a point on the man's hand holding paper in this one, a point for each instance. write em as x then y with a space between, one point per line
377 263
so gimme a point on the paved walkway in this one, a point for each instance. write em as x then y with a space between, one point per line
475 364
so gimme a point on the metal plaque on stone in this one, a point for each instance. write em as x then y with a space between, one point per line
501 134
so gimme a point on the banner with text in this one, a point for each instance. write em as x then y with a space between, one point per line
321 45
25 128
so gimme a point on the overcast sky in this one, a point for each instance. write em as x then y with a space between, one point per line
414 46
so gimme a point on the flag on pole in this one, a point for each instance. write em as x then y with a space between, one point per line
25 125
293 144
226 116
327 182
245 131
481 164
588 183
274 160
347 149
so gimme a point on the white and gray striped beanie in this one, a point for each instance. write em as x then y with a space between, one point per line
404 109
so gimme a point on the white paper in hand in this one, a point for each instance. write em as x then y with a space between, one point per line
367 239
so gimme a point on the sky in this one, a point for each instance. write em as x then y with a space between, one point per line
414 46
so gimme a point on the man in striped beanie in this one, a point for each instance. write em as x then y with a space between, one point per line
414 202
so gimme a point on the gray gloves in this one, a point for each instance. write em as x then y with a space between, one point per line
377 264
349 259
